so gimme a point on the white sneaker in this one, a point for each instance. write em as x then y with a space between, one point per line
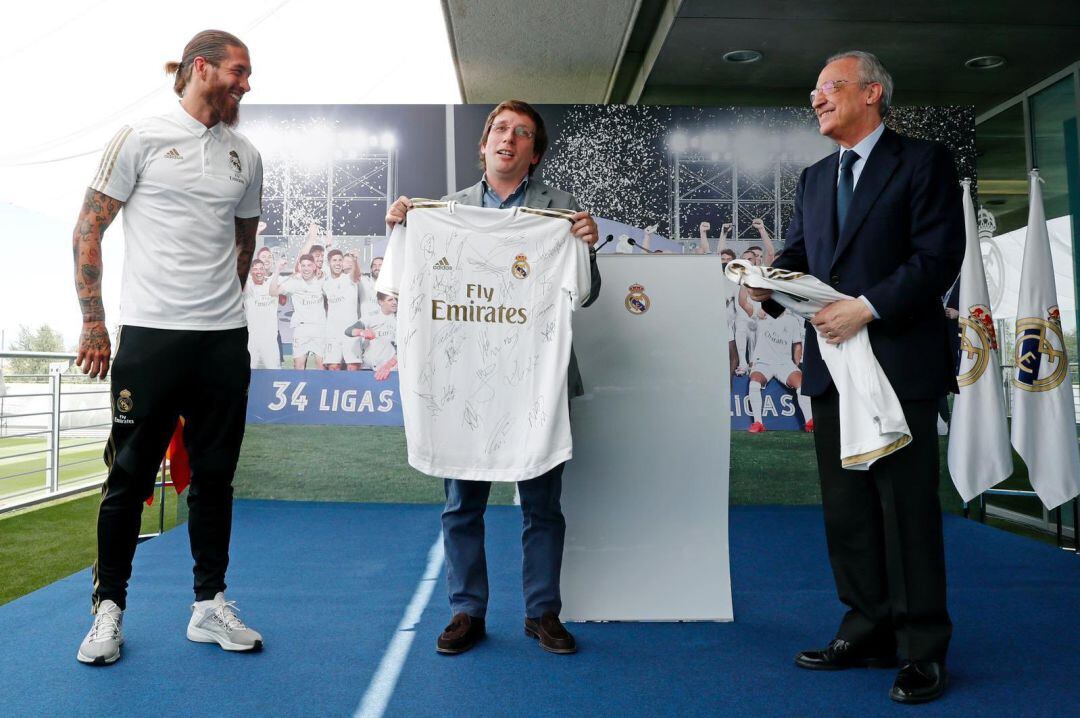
102 644
216 622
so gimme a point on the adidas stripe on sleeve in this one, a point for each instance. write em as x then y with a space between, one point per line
119 167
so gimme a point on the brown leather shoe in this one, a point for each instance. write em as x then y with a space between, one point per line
553 636
461 635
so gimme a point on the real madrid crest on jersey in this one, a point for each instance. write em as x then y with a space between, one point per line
234 159
124 404
637 301
1041 360
977 338
520 269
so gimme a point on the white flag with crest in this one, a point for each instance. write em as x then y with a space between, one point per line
979 452
1044 421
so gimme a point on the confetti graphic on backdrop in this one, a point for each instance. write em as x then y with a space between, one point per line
677 167
323 173
612 159
952 126
673 167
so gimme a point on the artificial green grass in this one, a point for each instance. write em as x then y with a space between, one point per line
322 463
80 459
44 544
337 463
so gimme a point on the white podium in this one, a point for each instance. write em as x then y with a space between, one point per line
646 494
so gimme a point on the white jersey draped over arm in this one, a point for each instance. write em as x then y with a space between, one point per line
872 423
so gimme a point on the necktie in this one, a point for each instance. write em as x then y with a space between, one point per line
846 187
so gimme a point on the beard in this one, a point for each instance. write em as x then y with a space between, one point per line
224 106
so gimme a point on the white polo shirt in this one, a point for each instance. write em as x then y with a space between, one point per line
182 185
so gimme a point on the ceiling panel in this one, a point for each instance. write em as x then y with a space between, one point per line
563 51
924 45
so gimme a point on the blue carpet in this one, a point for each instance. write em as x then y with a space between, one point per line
327 585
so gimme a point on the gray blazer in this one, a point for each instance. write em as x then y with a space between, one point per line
540 196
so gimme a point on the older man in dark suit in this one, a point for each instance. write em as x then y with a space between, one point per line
881 221
511 146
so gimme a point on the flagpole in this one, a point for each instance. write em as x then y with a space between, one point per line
1076 526
1060 533
161 513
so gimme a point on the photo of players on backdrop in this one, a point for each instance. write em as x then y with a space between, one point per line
318 310
659 180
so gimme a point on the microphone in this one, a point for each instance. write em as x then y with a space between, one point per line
606 240
644 249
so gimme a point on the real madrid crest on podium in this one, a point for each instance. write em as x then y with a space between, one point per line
637 301
520 269
1041 361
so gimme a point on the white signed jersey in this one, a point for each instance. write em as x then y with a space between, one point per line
483 339
872 423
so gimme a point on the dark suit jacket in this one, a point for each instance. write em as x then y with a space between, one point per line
540 196
901 248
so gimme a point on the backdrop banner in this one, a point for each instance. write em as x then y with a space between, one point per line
325 397
659 181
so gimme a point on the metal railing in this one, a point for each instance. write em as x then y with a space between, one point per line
49 425
53 430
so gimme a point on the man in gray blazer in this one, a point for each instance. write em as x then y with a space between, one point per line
511 146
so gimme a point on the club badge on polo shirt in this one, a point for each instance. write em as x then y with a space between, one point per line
238 170
637 301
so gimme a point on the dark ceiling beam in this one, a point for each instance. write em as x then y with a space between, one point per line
452 38
645 37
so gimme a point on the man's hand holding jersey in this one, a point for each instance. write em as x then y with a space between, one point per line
584 226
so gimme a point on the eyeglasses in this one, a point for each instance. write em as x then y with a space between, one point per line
829 88
518 130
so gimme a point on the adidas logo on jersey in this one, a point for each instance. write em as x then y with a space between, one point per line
173 155
443 264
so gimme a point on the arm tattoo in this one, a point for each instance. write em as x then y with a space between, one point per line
246 229
98 212
92 309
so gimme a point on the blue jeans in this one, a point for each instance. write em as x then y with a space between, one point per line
542 535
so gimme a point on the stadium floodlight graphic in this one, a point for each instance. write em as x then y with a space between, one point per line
722 175
342 180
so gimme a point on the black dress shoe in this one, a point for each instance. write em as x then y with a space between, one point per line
840 655
461 635
553 636
919 682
